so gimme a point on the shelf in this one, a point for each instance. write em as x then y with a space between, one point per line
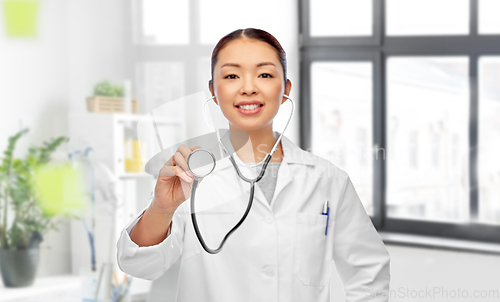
63 288
126 118
106 134
134 175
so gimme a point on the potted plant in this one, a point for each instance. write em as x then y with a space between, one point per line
109 98
23 221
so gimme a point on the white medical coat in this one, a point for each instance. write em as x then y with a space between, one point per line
280 252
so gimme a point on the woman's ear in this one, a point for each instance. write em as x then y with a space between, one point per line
287 90
211 88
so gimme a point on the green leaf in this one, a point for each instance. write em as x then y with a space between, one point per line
7 160
18 190
105 88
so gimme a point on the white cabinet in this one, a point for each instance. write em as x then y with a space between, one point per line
105 134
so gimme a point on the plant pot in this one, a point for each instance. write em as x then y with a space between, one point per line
19 267
108 104
20 17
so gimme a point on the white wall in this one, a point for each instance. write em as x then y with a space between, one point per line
78 43
420 269
429 274
95 47
34 94
34 78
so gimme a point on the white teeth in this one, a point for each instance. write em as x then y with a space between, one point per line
249 107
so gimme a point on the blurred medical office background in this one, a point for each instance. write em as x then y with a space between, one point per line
402 94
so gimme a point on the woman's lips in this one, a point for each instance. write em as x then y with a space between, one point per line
250 112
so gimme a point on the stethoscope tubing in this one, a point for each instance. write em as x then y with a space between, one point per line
252 182
197 230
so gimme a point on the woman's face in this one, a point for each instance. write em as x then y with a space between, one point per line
249 70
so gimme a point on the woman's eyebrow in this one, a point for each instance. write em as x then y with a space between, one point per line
258 65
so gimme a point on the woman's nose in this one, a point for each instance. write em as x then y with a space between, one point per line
248 86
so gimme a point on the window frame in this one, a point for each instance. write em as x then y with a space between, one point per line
374 39
323 55
378 49
137 53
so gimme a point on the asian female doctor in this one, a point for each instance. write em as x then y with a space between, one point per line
280 252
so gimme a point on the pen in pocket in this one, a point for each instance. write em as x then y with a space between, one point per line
326 211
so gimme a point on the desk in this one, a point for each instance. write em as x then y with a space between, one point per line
65 288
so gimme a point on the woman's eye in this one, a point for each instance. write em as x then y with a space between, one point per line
266 75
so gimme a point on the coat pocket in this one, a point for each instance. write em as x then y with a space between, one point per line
312 259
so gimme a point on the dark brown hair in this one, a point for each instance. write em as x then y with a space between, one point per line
250 33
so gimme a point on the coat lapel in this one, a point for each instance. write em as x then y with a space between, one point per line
284 178
292 154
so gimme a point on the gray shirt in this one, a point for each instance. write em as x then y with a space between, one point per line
267 183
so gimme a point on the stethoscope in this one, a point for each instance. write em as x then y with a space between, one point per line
209 157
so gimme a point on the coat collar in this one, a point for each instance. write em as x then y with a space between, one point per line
292 155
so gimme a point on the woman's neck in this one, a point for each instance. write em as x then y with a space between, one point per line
261 143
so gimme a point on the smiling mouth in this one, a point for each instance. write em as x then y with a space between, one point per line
250 107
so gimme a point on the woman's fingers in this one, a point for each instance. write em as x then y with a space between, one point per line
181 157
177 164
167 170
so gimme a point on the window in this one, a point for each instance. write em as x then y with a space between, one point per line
489 23
489 140
412 149
421 91
427 17
428 95
171 42
218 17
340 91
341 18
160 25
161 81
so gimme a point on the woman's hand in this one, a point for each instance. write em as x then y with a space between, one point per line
175 181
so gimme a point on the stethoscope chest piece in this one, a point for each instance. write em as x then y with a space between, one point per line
201 162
